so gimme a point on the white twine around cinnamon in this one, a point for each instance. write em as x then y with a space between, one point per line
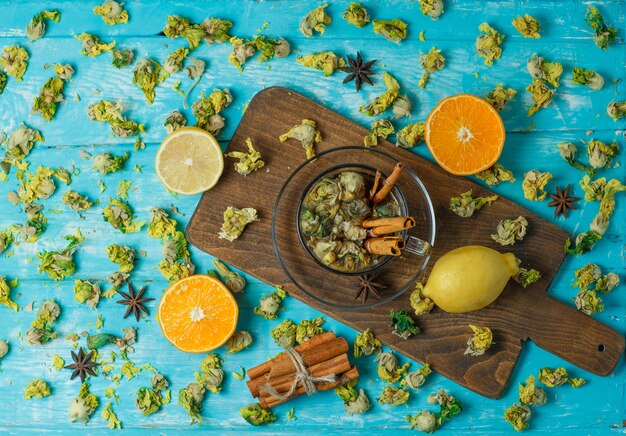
302 375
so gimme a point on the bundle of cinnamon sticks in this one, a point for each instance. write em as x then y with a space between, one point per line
322 355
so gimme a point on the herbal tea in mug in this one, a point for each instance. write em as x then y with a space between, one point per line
353 220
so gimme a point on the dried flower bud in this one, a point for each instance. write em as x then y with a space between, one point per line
284 334
480 341
499 97
392 30
425 421
356 14
531 394
4 348
411 135
465 205
518 415
366 344
254 414
308 329
239 341
416 378
534 185
388 369
315 21
326 61
488 44
233 281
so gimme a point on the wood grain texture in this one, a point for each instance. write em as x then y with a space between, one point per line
517 315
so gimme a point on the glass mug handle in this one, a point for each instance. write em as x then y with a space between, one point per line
417 246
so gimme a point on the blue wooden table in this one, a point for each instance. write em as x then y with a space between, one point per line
597 408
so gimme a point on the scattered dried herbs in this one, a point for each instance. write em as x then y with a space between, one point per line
14 61
207 110
419 303
381 103
356 14
604 34
5 293
587 77
417 378
488 43
86 291
269 306
499 97
431 8
381 128
284 334
480 341
431 62
83 405
107 112
392 30
36 388
518 415
411 135
394 396
308 329
147 75
307 134
248 161
92 45
403 325
60 264
354 402
534 185
254 414
366 344
315 21
465 205
239 341
111 12
527 26
120 215
388 369
37 26
510 230
327 61
495 175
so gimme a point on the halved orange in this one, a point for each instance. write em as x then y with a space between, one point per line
198 314
464 134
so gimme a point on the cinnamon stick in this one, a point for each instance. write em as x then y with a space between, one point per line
385 226
336 365
282 365
377 180
269 401
389 183
265 367
310 357
386 245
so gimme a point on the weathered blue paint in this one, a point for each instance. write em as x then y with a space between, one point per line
597 408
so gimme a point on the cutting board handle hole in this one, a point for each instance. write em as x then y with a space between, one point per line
601 348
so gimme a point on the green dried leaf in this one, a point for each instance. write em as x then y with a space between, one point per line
36 388
495 175
388 369
381 103
381 128
315 21
518 415
499 97
392 30
488 44
14 61
37 26
480 341
465 205
308 329
254 414
248 162
327 61
431 62
604 34
510 230
92 45
356 14
403 325
147 75
111 12
366 344
284 333
527 26
120 215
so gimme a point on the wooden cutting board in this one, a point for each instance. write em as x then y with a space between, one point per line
517 315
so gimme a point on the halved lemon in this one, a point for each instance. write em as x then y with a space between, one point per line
189 161
198 314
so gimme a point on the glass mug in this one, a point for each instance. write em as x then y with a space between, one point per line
409 243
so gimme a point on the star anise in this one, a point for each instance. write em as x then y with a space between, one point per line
134 301
561 201
358 71
366 286
82 365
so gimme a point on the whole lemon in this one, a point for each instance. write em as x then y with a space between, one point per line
469 278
